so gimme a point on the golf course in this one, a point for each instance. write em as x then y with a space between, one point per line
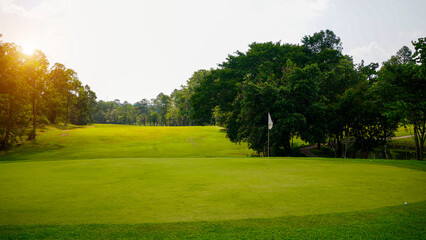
134 182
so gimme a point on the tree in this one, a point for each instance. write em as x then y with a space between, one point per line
13 98
154 118
57 91
323 48
31 95
370 71
91 98
73 89
366 118
36 67
63 89
142 109
332 86
81 110
270 77
162 104
321 41
404 77
291 100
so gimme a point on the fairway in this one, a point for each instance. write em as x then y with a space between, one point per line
181 190
123 141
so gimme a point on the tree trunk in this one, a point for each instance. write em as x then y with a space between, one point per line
422 130
419 139
355 149
339 148
67 116
5 140
32 135
386 152
287 146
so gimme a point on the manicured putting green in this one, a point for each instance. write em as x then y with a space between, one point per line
196 189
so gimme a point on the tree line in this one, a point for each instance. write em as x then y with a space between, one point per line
312 90
164 110
33 94
315 92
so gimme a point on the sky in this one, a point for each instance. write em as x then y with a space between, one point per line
135 49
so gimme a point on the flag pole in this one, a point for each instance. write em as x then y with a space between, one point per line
270 124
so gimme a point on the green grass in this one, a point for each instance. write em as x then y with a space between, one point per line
124 141
404 143
73 191
404 131
407 142
397 222
193 189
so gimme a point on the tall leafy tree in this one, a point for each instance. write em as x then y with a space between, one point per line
36 68
142 109
162 104
404 77
14 106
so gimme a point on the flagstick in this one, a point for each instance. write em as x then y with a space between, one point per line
270 124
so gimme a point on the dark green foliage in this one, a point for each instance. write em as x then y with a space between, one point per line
321 41
82 110
298 85
403 82
314 92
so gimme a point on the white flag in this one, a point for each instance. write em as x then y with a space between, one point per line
270 123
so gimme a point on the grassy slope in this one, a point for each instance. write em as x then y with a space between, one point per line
91 191
118 141
404 131
404 147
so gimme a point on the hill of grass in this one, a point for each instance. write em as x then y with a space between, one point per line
124 141
404 131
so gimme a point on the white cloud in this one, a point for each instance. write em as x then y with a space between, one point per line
8 6
407 36
374 52
369 53
46 9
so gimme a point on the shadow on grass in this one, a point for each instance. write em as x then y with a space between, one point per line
67 127
222 130
397 222
20 153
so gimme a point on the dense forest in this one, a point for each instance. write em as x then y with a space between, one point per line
312 91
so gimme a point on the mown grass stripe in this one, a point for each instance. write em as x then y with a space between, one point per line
397 222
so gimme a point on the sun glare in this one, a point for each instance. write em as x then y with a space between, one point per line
28 49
